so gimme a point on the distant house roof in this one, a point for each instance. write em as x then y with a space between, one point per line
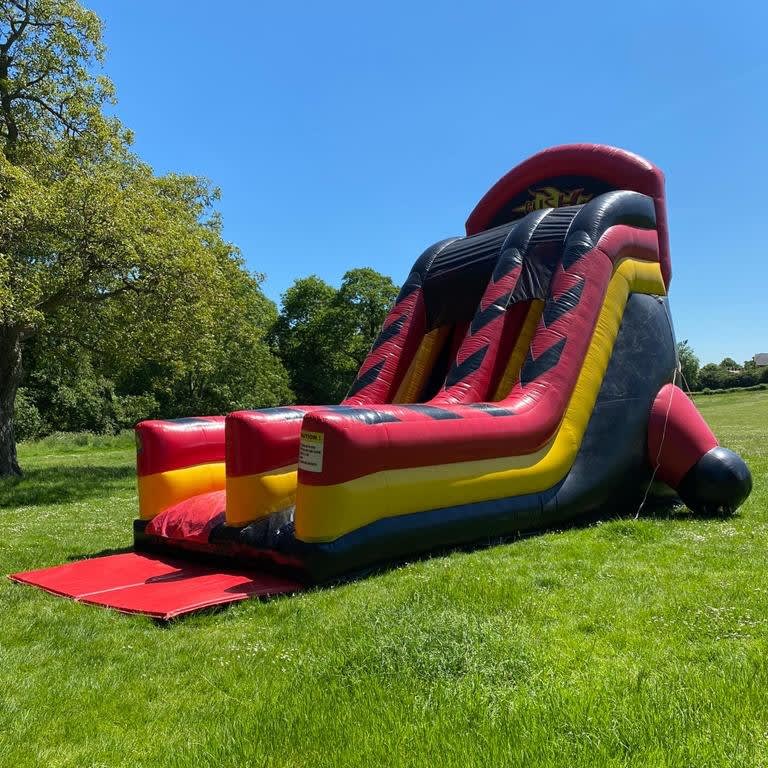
761 359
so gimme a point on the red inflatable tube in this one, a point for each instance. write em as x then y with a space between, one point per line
678 436
392 351
258 441
178 443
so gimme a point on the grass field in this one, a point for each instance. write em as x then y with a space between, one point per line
628 643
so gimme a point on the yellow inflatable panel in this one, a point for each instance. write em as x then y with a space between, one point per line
164 489
520 350
252 497
323 513
421 366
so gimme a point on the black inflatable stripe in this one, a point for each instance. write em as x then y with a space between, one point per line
556 225
579 245
468 250
533 368
189 420
363 415
554 309
411 284
366 378
390 332
491 409
491 312
282 413
510 259
439 414
461 370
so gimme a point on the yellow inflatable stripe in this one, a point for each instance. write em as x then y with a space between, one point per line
323 513
421 365
251 497
520 350
164 489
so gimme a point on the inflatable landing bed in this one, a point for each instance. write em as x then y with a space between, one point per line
525 377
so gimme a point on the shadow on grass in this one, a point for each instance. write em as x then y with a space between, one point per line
57 485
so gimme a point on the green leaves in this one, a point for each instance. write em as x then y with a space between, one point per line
323 335
49 87
689 364
118 275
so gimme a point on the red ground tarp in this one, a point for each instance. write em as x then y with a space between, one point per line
160 587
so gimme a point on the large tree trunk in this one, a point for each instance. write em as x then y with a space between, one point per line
10 378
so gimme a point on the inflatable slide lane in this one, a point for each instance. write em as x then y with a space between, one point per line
526 376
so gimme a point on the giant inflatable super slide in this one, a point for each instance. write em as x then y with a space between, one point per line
526 376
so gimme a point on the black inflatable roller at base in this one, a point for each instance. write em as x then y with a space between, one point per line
717 484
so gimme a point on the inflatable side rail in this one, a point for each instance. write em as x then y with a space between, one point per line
177 459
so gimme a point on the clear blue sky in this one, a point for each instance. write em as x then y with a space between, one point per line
356 134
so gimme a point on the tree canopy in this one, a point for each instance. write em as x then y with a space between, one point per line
48 88
98 251
323 335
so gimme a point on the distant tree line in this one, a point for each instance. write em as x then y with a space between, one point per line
727 374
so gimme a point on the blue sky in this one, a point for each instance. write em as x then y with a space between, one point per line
356 134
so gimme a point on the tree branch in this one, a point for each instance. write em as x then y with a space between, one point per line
16 32
65 296
34 81
57 114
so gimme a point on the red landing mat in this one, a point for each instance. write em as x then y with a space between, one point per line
161 587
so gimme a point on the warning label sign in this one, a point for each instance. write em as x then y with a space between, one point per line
311 451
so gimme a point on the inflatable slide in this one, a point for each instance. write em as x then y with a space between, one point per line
526 376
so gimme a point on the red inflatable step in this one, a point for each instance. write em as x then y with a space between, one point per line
160 587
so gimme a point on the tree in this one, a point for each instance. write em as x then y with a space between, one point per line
66 390
47 86
300 339
713 376
226 364
689 364
361 305
47 95
89 384
94 248
729 364
323 335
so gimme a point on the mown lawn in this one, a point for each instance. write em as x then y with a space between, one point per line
628 643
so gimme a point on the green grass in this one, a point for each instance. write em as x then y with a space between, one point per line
72 442
628 643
